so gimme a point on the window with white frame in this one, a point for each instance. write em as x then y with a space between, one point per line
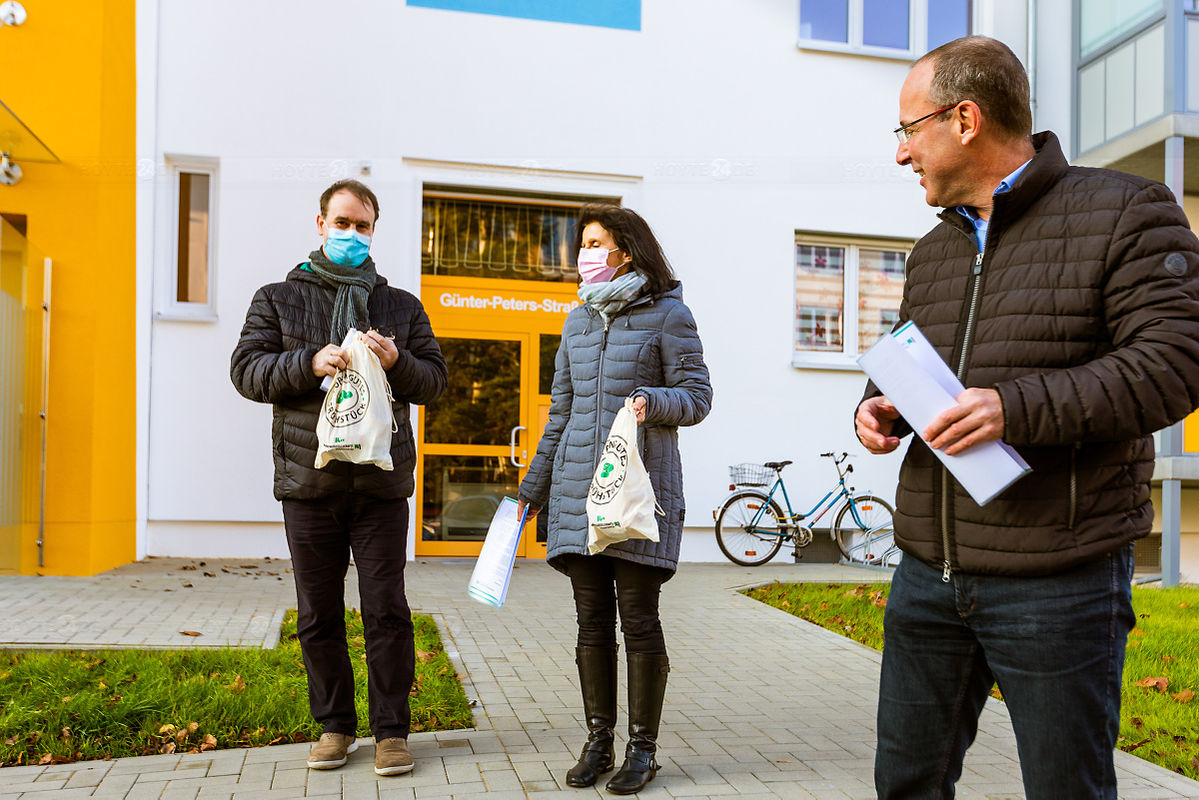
188 282
896 28
847 295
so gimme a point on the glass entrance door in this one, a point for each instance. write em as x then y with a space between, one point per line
475 442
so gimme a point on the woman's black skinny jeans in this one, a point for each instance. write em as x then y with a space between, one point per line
602 585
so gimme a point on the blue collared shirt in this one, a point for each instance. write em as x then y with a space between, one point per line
980 224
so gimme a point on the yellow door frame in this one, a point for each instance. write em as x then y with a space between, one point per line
494 309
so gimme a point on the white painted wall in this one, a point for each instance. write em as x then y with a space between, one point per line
734 138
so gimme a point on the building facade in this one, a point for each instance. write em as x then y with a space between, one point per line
754 137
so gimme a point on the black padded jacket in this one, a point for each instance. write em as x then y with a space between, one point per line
286 325
1083 313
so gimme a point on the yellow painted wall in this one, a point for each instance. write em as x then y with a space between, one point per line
69 75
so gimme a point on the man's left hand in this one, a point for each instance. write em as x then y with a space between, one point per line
383 347
977 418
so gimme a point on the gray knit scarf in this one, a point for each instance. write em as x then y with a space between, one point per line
353 285
610 298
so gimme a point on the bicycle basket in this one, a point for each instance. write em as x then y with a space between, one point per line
750 475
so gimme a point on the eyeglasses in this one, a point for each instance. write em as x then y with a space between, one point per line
905 132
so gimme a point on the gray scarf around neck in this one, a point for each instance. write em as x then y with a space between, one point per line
353 285
610 298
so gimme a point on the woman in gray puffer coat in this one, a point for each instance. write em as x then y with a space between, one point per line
632 337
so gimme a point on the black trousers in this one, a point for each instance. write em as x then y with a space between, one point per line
603 585
321 534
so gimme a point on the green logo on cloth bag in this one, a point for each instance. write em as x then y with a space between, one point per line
609 476
348 404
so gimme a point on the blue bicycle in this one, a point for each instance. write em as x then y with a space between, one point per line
751 528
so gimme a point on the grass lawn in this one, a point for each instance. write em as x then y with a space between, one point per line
1159 714
67 705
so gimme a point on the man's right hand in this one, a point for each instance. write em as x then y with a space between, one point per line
520 509
328 360
873 423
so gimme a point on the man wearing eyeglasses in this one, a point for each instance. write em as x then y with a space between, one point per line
1067 302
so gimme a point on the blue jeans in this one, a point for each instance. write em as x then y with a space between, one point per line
1055 646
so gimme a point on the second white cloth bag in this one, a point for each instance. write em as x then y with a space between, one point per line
356 420
620 502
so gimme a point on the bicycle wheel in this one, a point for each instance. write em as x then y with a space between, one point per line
870 537
749 545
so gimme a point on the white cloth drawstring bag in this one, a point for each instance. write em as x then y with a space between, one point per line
356 420
620 502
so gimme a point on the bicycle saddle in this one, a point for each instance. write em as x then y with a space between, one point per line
776 465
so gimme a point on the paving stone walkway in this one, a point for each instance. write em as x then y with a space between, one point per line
760 704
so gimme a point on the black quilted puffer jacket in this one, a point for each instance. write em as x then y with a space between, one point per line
651 348
286 325
1083 314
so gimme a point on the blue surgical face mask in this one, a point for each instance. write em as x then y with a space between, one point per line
348 248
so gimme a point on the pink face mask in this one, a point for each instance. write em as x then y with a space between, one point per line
593 265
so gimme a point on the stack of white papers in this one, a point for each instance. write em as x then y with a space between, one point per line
906 368
493 571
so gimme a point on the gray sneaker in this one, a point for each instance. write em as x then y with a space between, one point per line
331 751
392 757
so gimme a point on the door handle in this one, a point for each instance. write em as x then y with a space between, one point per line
512 446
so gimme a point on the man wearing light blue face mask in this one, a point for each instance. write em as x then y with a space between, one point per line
291 341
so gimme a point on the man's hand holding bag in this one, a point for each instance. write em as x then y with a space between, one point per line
356 420
621 503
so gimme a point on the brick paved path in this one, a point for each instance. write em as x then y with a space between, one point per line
759 705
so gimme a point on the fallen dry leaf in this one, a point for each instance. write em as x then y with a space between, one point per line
1136 632
167 748
877 599
208 742
1154 683
424 656
1184 605
45 759
193 726
168 728
239 685
1185 696
191 633
180 736
11 740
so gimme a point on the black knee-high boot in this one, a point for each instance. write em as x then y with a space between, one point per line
597 677
647 688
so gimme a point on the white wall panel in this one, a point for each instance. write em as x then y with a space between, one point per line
1091 105
1150 75
1192 62
1120 91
